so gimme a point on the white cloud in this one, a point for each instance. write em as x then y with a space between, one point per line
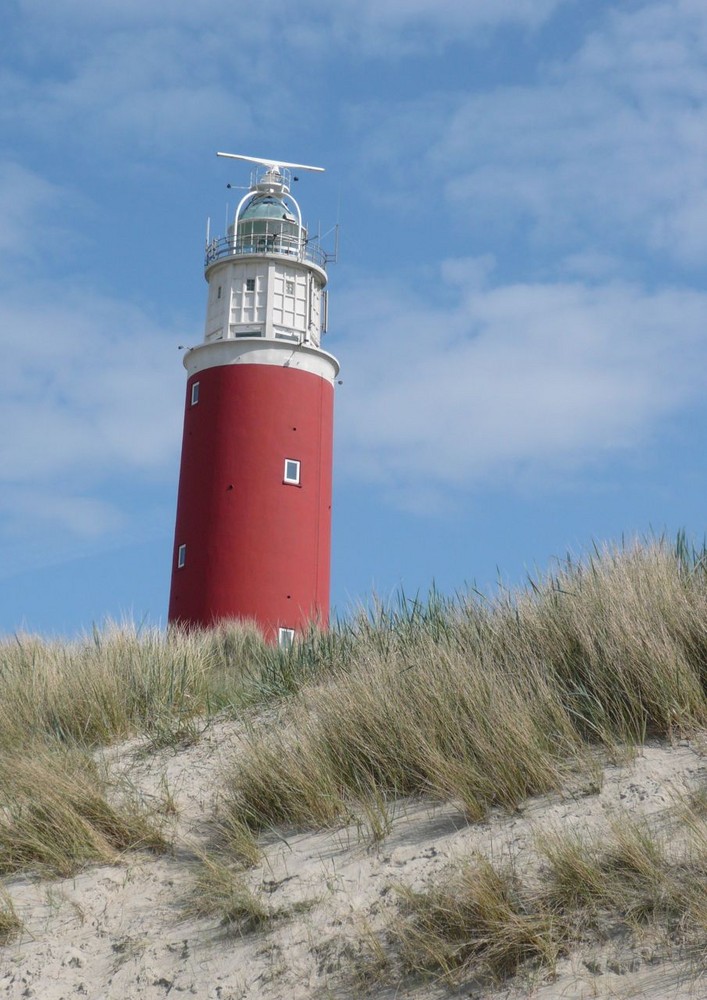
510 378
607 149
122 70
91 393
49 511
25 200
403 26
89 385
155 88
266 19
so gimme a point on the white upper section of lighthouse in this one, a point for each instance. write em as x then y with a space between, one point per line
266 276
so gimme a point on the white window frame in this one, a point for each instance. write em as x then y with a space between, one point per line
285 637
181 556
194 393
292 480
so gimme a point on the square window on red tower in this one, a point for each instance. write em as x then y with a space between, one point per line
292 472
194 393
285 637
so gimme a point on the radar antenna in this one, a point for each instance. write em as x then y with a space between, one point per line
274 165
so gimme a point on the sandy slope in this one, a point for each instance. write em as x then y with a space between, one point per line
117 933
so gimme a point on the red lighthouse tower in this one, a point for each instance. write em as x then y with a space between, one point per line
253 530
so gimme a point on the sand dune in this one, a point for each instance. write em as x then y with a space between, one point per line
120 932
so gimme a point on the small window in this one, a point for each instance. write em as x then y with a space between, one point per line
194 393
285 637
290 287
292 469
250 284
181 556
218 293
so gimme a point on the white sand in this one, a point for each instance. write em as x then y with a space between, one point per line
117 933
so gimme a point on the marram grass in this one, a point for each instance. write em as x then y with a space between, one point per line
482 700
487 703
219 891
121 681
10 923
57 815
483 922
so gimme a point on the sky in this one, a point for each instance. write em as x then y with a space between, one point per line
518 306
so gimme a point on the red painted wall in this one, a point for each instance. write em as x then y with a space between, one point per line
256 548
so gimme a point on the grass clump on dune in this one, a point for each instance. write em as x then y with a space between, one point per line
219 891
121 681
625 634
630 873
451 732
610 648
488 702
10 923
482 921
484 701
56 817
479 918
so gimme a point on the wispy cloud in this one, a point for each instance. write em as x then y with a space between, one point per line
122 72
606 149
269 18
90 395
405 26
26 201
127 90
510 378
89 384
50 512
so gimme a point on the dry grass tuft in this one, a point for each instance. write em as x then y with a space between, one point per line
10 923
55 816
627 875
483 922
281 781
219 891
630 876
486 702
236 840
477 922
122 681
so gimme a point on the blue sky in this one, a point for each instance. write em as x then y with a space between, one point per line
519 305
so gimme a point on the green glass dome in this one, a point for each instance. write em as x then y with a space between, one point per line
267 208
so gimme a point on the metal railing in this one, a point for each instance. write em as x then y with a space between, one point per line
278 244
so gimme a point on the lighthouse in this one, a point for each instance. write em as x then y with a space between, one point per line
253 528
